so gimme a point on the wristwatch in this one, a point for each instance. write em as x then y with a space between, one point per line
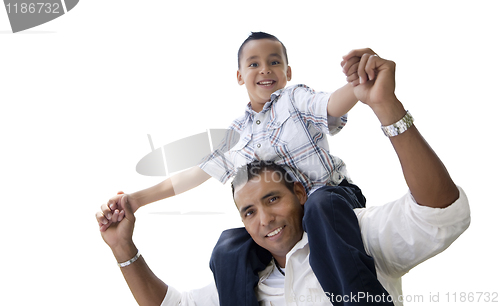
399 127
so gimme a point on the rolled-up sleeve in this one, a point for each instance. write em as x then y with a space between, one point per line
402 234
314 108
220 164
206 296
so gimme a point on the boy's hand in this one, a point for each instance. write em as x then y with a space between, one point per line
350 69
110 212
376 74
350 66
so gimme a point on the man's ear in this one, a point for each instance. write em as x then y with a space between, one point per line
300 192
289 73
239 78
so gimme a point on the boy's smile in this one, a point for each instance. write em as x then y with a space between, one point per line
263 70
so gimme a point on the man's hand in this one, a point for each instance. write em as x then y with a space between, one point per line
117 231
426 176
374 83
110 213
143 283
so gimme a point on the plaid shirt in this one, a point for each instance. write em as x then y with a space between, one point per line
290 130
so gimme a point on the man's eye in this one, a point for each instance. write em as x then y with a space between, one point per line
273 199
248 213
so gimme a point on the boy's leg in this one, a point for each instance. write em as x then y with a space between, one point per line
351 193
236 261
337 254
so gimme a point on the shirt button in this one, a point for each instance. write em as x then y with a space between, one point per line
258 145
258 121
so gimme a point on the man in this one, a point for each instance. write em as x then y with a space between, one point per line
398 235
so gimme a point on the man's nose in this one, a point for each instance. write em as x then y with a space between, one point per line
266 217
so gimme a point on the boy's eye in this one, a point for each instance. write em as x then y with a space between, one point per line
275 63
253 65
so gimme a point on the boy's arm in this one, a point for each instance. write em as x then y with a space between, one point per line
341 101
173 185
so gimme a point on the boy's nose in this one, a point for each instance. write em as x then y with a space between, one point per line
265 70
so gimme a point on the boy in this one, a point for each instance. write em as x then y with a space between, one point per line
287 126
264 50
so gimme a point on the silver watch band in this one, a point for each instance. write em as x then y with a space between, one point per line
130 261
399 127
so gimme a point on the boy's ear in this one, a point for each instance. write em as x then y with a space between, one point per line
289 73
239 78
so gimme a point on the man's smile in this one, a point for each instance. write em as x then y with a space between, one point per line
275 232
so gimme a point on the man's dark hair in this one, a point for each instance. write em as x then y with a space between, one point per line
257 36
254 169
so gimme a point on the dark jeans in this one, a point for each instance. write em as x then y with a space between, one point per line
337 254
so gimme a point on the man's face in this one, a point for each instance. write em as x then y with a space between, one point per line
272 213
263 70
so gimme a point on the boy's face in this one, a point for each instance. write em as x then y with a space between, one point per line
263 70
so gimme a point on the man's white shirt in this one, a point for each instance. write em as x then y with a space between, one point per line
398 235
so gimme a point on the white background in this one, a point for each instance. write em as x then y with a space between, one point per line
80 94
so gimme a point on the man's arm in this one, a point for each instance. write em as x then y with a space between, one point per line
425 174
145 286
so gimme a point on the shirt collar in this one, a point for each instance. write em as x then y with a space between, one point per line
274 96
264 274
298 246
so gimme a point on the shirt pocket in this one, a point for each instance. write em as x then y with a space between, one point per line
292 143
283 132
242 143
242 154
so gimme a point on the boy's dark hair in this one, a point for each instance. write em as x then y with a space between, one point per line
254 169
257 36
